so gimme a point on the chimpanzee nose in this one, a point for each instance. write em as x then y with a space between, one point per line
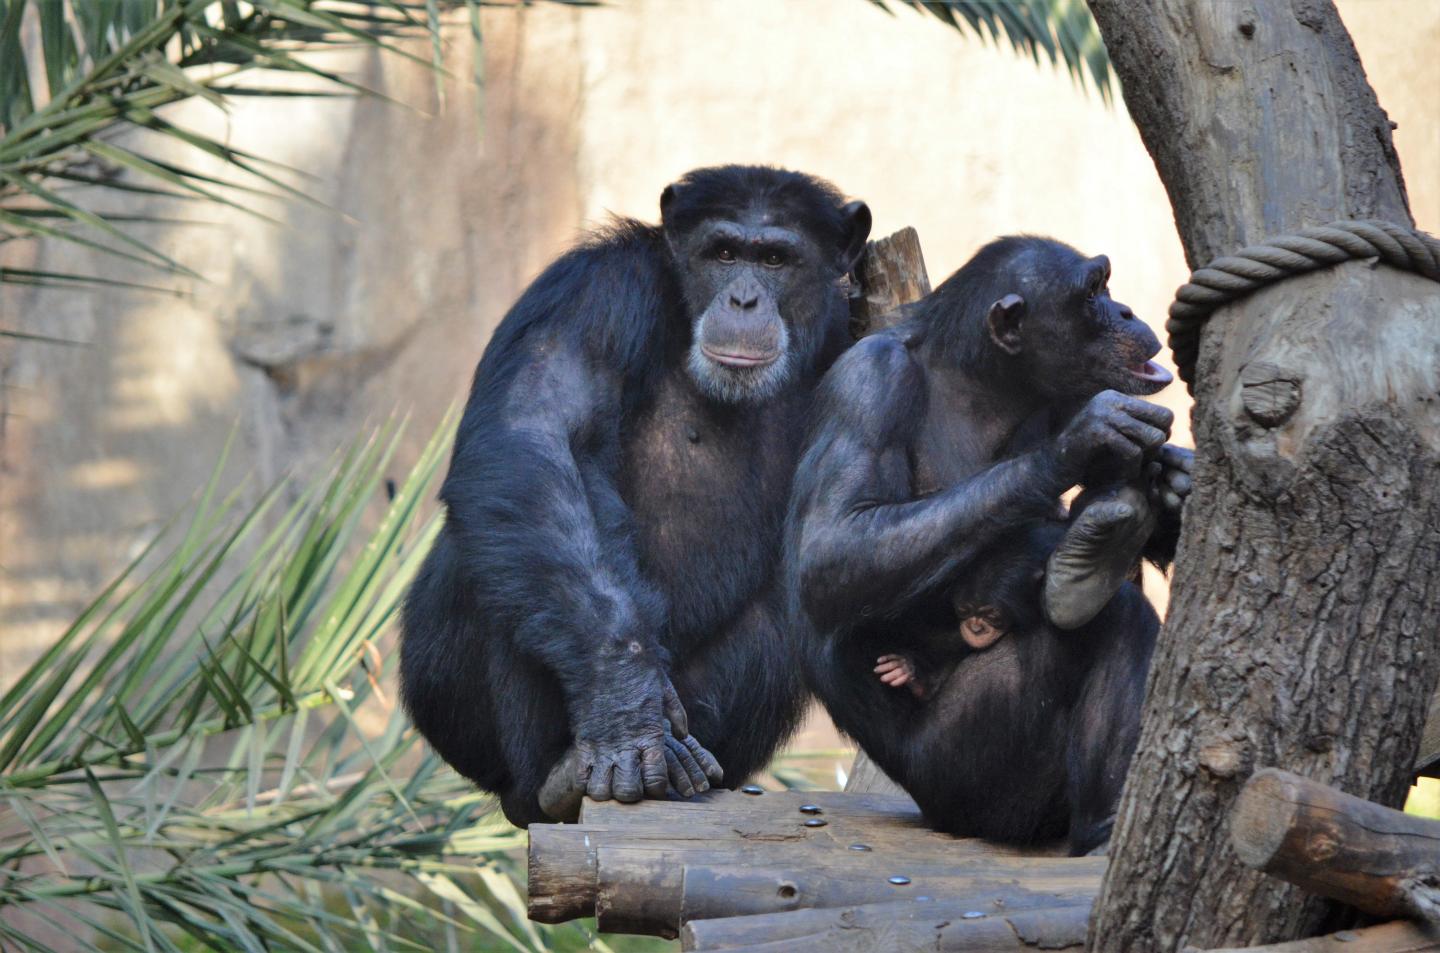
744 298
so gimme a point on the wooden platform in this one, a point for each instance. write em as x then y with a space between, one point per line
822 871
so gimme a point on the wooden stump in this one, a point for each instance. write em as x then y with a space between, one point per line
1374 858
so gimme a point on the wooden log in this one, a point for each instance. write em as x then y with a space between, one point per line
1428 763
644 888
929 927
879 924
867 778
711 891
892 273
1398 937
725 804
1333 844
563 876
564 873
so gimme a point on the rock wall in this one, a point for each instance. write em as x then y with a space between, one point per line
305 331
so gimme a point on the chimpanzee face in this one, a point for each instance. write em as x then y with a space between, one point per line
1073 339
760 291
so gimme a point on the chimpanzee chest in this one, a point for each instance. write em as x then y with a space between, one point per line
708 485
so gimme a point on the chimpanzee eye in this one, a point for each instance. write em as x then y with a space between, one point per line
773 259
726 254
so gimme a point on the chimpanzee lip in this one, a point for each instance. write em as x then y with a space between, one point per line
1152 372
739 358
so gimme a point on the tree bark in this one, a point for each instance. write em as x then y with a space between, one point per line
1305 602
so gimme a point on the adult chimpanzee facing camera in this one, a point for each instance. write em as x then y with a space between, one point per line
609 559
927 505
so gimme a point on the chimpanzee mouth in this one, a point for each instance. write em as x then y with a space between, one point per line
740 358
1152 373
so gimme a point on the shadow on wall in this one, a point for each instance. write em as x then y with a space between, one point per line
304 333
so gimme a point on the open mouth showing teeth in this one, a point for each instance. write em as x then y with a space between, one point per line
739 359
1152 373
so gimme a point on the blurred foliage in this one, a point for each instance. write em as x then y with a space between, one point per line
1063 30
206 758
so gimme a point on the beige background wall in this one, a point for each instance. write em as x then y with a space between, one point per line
306 331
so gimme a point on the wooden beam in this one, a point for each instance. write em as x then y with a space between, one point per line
1371 857
876 926
1397 937
892 273
715 891
731 828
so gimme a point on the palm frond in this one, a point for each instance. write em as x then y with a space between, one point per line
1062 30
75 74
205 753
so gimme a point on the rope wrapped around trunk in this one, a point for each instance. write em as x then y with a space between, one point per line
1234 276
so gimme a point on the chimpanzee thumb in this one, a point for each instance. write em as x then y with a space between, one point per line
674 711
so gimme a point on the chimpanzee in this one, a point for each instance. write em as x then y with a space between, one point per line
1043 574
934 442
610 554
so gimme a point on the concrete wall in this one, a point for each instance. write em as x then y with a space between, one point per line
306 331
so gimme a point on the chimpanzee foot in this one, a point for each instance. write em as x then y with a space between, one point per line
561 794
1095 557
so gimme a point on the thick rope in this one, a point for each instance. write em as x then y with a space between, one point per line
1234 276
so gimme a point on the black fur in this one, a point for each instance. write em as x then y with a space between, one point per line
610 523
935 464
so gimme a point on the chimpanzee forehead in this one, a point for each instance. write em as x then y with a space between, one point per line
749 230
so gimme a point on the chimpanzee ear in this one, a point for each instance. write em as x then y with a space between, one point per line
857 231
667 199
1004 322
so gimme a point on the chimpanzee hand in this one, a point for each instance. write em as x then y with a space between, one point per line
692 769
632 754
1111 435
1170 477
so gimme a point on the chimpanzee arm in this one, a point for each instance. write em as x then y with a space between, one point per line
860 540
546 546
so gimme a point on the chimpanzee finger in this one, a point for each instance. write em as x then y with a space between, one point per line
1153 414
689 767
707 761
1148 437
1177 458
626 785
678 776
654 772
674 711
1178 482
1171 501
597 787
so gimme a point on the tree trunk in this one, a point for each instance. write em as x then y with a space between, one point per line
1305 602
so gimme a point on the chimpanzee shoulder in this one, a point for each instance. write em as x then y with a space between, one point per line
875 389
607 297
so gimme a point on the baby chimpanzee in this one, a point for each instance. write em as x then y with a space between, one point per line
1049 574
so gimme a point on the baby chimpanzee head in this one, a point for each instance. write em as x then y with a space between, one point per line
1001 593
